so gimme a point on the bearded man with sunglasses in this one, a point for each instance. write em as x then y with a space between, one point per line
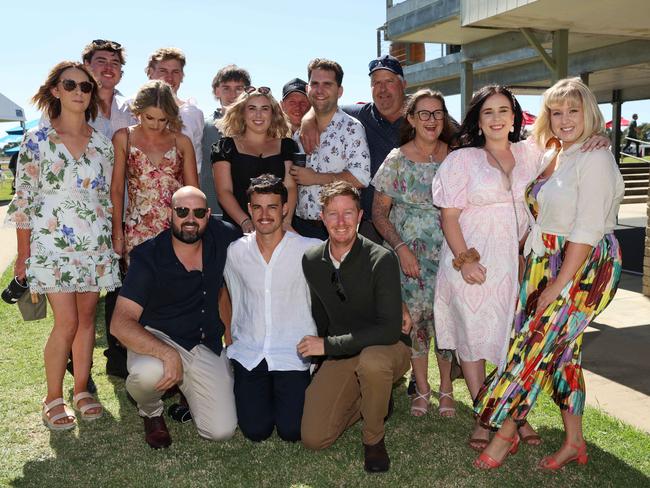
357 306
167 317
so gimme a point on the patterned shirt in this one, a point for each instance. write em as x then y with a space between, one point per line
343 146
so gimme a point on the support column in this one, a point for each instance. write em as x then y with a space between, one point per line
561 54
585 77
616 125
466 85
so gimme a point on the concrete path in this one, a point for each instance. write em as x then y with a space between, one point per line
615 353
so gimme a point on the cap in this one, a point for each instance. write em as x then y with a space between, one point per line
387 62
295 85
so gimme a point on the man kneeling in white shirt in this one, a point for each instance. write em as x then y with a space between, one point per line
271 313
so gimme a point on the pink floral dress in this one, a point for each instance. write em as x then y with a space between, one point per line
475 320
150 188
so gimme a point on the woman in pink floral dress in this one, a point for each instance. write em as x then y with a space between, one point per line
156 160
480 189
61 211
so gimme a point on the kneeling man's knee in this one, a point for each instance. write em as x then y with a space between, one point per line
216 432
145 373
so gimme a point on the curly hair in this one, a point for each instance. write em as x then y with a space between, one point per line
407 131
469 136
233 123
232 72
158 93
102 45
48 103
165 54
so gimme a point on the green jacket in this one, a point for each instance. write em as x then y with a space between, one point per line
371 313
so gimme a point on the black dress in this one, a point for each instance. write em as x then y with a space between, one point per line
243 167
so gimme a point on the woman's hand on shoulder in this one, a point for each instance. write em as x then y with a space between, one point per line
597 141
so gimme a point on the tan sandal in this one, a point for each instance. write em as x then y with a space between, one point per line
422 411
88 406
447 412
50 422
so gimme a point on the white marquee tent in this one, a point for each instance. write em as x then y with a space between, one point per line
9 111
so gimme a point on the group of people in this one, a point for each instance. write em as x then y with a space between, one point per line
351 237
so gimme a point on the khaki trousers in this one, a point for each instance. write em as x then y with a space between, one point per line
345 390
207 384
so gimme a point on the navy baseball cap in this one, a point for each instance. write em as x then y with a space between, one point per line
387 62
295 85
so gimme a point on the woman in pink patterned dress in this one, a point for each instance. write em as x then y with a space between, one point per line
480 189
156 160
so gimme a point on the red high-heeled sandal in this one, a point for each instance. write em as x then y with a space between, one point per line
491 463
549 463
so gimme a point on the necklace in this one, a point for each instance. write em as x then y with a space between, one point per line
430 155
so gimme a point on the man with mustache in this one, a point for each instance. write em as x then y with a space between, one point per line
167 317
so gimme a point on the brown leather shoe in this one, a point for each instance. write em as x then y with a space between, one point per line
156 433
376 458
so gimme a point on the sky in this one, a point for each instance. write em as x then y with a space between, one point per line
273 40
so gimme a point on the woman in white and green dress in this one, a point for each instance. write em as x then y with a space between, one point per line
61 211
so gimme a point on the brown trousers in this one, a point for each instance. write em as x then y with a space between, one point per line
345 390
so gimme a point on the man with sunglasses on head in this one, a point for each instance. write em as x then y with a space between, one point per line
271 313
342 155
357 306
229 82
167 317
105 59
168 64
381 119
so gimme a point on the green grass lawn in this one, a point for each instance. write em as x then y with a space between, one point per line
428 451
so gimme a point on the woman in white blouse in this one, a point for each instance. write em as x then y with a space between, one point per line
572 273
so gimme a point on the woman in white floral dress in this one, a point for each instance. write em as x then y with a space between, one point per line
62 214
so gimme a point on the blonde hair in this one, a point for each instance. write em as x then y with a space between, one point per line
572 91
157 93
233 123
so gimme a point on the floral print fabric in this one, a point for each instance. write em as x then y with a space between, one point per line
417 222
150 189
65 203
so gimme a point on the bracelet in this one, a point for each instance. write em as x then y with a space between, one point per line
399 245
242 222
469 256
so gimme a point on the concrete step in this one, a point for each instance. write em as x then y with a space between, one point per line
641 176
638 164
636 183
634 171
637 191
634 199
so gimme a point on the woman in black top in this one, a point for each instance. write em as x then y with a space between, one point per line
255 142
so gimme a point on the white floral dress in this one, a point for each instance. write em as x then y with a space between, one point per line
65 202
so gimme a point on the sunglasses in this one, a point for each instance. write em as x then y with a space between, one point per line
338 285
263 90
104 42
183 212
385 63
425 115
70 85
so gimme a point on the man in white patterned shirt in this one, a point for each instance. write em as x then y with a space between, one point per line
167 64
271 314
343 151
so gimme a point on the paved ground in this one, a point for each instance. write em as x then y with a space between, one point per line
615 357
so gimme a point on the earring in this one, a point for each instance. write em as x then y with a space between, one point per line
512 129
480 132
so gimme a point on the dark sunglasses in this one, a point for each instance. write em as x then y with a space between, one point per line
264 90
425 115
385 63
338 285
104 42
71 85
183 212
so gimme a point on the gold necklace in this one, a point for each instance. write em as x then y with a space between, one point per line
430 156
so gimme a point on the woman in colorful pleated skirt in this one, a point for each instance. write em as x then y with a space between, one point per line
572 273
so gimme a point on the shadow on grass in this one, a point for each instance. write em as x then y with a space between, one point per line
428 451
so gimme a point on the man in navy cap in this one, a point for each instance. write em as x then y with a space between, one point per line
381 119
295 103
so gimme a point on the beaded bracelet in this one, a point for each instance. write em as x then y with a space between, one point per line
469 256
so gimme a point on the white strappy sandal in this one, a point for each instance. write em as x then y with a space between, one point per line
88 406
447 412
50 422
415 410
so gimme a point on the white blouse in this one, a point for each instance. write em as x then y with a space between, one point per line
580 200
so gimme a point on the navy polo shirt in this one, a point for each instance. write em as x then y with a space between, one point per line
382 136
182 304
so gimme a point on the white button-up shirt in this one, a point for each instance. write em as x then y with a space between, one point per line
580 200
343 146
192 118
121 117
271 304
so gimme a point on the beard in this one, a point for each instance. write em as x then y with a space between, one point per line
188 233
